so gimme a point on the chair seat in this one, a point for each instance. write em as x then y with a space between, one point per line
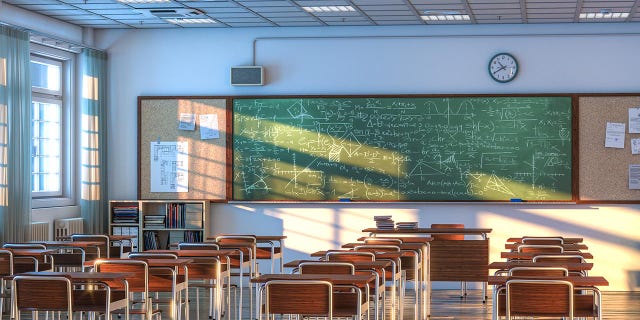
94 300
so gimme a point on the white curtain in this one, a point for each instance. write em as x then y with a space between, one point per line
94 202
15 135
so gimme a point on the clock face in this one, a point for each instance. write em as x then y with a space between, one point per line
503 67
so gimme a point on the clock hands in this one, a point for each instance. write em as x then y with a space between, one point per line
502 67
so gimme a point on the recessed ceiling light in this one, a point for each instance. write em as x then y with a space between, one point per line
329 9
191 20
144 1
604 14
446 17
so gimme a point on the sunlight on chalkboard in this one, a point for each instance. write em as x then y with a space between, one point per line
491 186
342 150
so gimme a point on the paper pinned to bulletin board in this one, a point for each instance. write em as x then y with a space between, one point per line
189 160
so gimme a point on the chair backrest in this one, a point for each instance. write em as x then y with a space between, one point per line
326 267
152 255
51 293
138 280
559 258
540 248
447 236
547 298
349 256
377 248
198 246
302 297
6 263
382 241
206 268
539 272
91 253
543 240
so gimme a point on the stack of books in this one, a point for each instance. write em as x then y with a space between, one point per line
153 221
125 214
383 222
406 225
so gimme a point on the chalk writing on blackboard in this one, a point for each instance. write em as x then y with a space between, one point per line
402 149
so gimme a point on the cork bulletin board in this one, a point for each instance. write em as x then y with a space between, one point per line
158 122
604 172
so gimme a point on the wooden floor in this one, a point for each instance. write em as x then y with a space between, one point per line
446 304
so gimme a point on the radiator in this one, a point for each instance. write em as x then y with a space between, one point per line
40 231
67 227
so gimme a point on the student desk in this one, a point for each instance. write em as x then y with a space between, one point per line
360 281
529 255
272 252
566 246
565 240
506 265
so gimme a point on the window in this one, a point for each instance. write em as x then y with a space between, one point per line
52 142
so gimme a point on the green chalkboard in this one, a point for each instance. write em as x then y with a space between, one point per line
455 148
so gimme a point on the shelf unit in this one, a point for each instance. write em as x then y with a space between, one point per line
159 223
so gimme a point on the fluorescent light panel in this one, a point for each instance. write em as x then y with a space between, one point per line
446 17
191 20
329 9
604 15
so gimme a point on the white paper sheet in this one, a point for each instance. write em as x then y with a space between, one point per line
634 120
169 166
634 176
615 135
209 126
187 122
635 146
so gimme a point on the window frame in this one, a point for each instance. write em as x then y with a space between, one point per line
68 136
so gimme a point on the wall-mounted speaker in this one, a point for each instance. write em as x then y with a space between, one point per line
247 76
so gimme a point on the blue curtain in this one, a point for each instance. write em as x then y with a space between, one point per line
15 135
94 202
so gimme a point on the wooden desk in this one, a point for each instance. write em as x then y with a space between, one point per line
358 265
483 232
506 265
566 246
274 252
565 240
529 255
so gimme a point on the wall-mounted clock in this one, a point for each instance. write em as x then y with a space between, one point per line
503 67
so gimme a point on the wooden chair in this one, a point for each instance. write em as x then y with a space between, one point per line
540 248
224 273
344 297
543 240
297 297
436 236
563 259
536 297
246 247
92 253
42 293
30 263
137 284
538 272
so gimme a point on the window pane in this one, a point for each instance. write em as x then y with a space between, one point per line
45 76
47 148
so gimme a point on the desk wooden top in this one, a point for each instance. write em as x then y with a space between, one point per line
81 276
385 255
478 231
565 240
67 244
408 239
151 262
501 265
211 253
338 279
358 265
566 246
530 255
258 238
578 281
120 237
30 252
403 246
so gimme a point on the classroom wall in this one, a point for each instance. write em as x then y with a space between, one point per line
382 60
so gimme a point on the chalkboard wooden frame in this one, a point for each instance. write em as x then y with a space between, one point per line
574 156
158 120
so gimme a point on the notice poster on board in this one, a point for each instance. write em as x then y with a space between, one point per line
169 166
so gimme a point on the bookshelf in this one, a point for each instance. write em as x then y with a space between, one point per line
158 223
